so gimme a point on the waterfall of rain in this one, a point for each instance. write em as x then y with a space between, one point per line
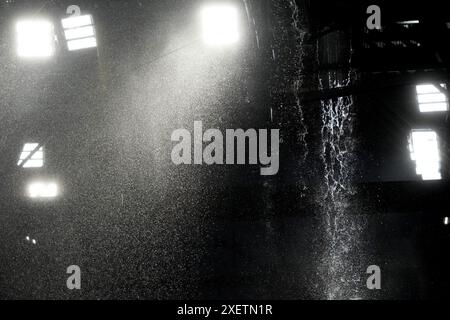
300 35
288 53
342 228
327 145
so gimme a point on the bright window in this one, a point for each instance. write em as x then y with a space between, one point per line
79 32
32 156
431 98
424 148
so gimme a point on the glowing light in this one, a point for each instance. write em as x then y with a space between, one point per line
76 22
431 99
79 44
409 22
33 241
220 23
446 221
42 190
79 32
35 39
424 150
32 156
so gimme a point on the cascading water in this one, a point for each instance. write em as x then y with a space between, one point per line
342 228
300 34
324 135
288 53
336 123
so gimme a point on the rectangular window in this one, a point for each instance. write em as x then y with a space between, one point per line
431 98
32 156
79 32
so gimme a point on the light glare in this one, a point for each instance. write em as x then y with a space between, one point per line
424 150
409 22
42 190
431 99
35 39
220 25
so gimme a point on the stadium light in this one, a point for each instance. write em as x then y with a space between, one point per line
431 98
32 156
220 24
424 150
40 189
79 32
35 38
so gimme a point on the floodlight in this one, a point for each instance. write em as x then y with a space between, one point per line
42 189
431 98
35 38
424 150
220 23
79 32
32 156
